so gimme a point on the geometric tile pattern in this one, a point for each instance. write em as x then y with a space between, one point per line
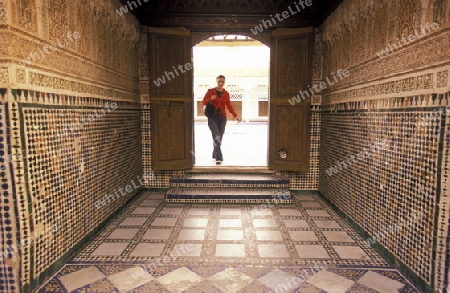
381 169
259 233
69 162
242 248
47 193
443 227
9 273
309 180
228 279
22 199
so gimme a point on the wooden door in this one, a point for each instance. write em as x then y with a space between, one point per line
290 73
170 63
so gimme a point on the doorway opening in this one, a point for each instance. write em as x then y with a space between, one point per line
245 64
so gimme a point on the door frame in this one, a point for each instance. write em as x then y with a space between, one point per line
193 38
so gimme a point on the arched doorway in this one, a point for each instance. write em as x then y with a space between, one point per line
172 101
245 63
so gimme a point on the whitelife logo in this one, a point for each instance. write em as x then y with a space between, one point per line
424 30
39 233
36 56
285 14
384 144
124 9
341 73
168 76
185 248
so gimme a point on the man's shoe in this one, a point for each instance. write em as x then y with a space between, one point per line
218 162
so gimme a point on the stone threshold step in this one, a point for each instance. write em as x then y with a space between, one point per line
231 169
235 194
227 178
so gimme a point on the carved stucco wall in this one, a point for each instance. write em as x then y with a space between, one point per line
399 98
70 121
353 38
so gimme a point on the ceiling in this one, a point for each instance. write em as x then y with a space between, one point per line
204 15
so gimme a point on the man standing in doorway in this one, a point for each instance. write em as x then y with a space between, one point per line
220 98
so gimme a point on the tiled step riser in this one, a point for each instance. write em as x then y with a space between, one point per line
231 181
226 196
230 200
229 188
229 185
235 195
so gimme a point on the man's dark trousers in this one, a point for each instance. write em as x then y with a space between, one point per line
217 126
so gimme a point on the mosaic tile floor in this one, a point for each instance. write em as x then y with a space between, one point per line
153 246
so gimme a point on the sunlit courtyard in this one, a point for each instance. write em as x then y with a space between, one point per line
244 144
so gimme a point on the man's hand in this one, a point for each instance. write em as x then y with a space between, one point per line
238 119
213 97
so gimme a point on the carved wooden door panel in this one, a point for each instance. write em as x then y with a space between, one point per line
290 72
170 98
